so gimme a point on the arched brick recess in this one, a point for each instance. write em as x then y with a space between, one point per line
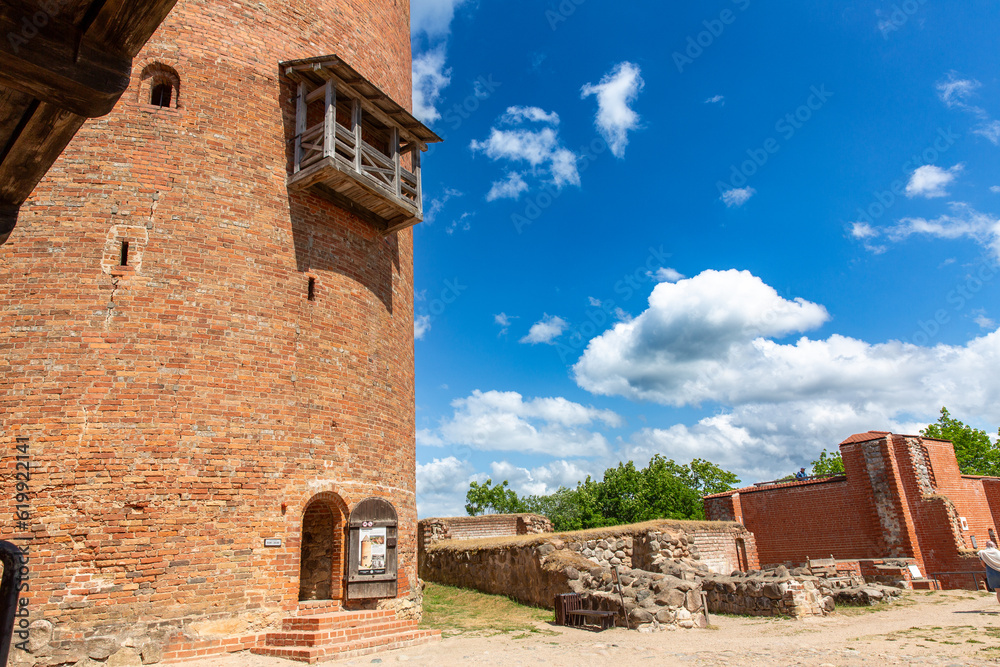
322 548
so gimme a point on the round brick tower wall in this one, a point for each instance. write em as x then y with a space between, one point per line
183 408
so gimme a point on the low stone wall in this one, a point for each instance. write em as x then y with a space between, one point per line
475 527
757 595
659 564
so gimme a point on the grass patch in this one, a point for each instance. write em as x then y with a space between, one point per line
844 609
457 611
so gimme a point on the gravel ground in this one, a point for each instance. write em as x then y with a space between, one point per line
949 628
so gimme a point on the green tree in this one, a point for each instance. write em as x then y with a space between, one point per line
488 499
828 463
976 454
626 494
708 478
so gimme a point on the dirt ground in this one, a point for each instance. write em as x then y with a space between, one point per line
948 628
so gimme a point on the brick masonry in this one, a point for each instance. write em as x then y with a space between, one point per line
185 407
902 497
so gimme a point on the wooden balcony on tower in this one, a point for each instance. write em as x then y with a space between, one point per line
354 145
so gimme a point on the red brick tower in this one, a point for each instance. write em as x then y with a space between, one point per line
201 356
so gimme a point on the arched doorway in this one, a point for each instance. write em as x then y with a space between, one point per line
321 555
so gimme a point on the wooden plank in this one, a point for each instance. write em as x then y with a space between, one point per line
128 24
397 179
416 173
44 135
87 81
330 119
356 128
300 124
8 219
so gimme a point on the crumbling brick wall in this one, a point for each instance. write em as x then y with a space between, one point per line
902 497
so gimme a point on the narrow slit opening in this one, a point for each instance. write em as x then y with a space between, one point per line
311 295
123 257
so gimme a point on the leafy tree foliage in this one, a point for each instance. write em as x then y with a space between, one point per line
488 499
661 490
976 454
828 463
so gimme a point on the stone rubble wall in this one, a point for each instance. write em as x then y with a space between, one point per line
659 563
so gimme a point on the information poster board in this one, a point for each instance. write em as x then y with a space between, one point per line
372 556
372 550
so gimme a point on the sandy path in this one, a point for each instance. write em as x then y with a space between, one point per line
932 629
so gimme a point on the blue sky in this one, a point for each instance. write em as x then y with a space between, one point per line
734 230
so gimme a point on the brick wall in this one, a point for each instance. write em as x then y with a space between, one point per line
902 497
724 551
801 520
184 408
472 527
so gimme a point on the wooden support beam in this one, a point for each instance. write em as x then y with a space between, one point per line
8 219
85 80
420 192
330 118
356 128
301 110
398 182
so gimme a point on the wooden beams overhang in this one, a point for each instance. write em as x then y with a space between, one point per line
61 62
373 100
334 168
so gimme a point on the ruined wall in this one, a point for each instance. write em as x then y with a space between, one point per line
903 497
184 408
662 588
795 521
433 529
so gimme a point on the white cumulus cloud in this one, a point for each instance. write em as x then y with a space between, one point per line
737 196
432 18
516 115
539 148
545 330
505 421
441 486
668 275
962 222
421 325
509 188
931 181
430 77
680 350
615 93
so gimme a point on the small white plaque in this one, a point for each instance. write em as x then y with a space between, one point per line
272 542
915 572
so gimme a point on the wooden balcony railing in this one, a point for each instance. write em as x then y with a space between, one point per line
339 119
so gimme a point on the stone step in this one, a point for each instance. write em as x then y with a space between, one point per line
338 634
925 584
351 648
317 607
346 619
